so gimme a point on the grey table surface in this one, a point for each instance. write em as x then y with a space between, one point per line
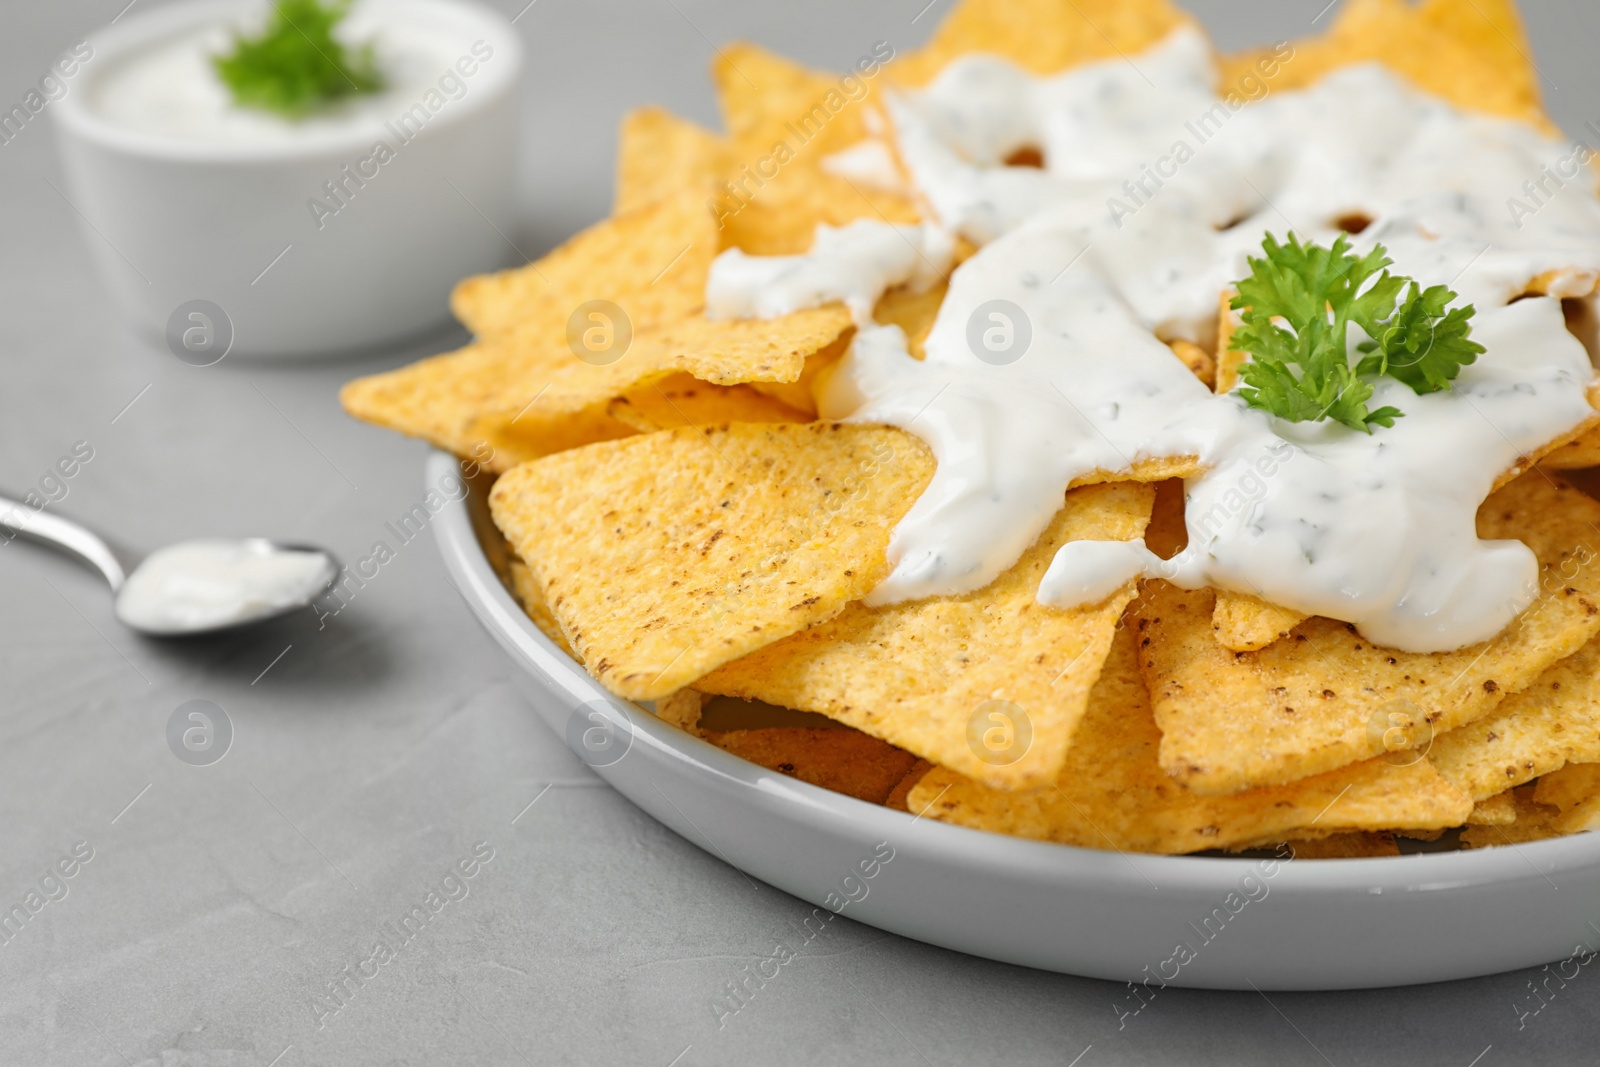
369 756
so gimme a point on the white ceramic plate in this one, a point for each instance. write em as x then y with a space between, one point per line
1223 923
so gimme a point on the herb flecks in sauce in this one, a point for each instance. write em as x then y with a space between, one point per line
296 66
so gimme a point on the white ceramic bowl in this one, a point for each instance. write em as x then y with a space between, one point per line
1312 924
171 220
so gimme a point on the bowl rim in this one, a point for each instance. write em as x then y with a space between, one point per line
114 41
504 618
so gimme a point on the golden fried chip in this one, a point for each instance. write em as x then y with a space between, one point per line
897 796
444 400
779 216
666 555
767 99
914 312
991 683
1554 721
682 709
1472 53
652 263
1534 819
1111 792
661 155
523 399
1042 36
684 400
1498 810
1573 793
1580 452
1244 623
1347 846
845 761
1198 360
1234 720
527 591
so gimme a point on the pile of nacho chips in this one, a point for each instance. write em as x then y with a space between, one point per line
687 529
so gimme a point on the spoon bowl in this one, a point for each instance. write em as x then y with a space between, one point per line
191 588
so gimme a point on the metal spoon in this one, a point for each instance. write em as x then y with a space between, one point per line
192 587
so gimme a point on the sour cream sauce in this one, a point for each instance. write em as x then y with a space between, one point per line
1100 260
170 89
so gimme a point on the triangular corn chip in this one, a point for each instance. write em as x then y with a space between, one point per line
684 400
652 263
666 555
1042 36
1554 721
1471 52
660 155
1112 794
932 675
843 760
1235 720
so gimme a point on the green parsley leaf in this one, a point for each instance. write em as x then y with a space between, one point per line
1298 305
296 66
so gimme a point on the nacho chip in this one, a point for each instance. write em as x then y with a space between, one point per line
666 555
768 99
1198 360
845 761
1472 53
897 796
991 683
684 400
778 216
1235 720
1042 36
1244 623
527 591
1534 819
1574 793
1112 793
914 312
652 263
1498 810
682 709
1348 846
661 155
1553 722
444 400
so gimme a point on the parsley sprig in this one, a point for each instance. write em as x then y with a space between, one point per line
1299 303
296 65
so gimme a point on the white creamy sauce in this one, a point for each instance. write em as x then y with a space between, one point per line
868 163
170 89
1152 195
852 264
200 585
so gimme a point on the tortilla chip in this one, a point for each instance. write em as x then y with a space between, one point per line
936 676
1553 722
778 216
653 263
767 99
845 761
1573 793
1472 53
1244 623
1042 36
666 555
682 709
661 155
527 591
524 397
1198 360
897 796
1112 793
684 400
1498 810
914 312
443 400
1235 720
1535 819
1580 452
1348 846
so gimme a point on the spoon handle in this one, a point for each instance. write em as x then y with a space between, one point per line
17 518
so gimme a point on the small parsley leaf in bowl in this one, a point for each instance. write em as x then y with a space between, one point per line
296 66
